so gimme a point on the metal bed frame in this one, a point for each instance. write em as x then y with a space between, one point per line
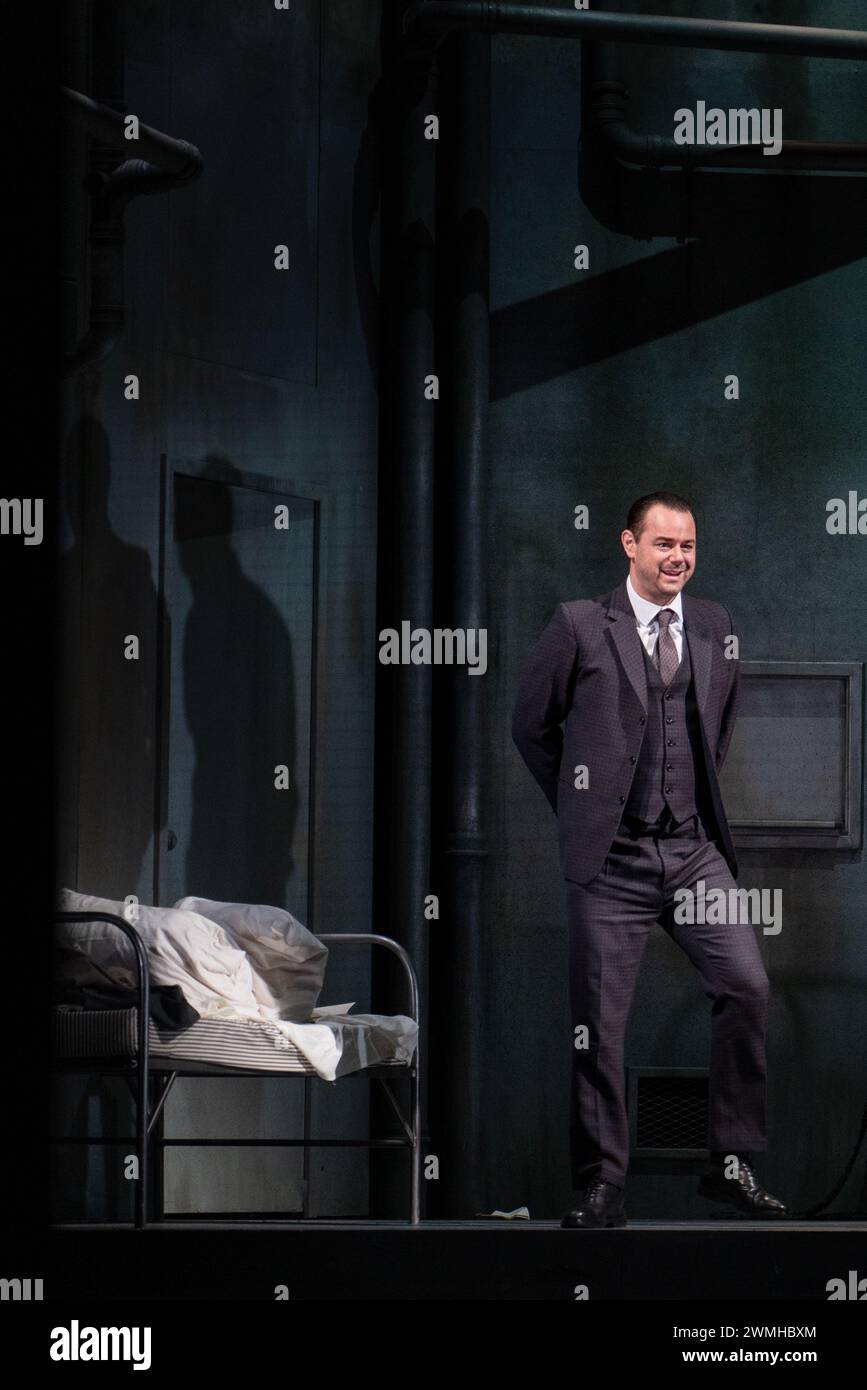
143 1072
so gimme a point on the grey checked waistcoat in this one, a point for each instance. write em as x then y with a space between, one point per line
669 771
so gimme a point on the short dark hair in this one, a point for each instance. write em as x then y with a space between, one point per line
642 505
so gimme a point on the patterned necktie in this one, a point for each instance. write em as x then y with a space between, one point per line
667 659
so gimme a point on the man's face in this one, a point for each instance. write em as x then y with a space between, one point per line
663 557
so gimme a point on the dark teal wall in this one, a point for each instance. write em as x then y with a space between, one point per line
607 384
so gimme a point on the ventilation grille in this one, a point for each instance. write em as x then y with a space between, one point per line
669 1110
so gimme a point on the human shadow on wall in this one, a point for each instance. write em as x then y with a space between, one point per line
108 702
239 701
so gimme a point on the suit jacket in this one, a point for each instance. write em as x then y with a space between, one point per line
587 669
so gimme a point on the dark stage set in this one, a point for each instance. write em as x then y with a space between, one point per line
375 321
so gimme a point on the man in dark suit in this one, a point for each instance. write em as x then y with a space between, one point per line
646 680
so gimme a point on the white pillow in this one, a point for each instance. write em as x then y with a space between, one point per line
288 961
100 949
183 948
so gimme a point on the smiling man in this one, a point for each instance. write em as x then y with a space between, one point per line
646 680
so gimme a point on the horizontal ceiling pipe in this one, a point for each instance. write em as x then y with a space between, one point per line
608 99
654 152
432 19
176 157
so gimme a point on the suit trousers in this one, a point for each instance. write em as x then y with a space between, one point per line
609 921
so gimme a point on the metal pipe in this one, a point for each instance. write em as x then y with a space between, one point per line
402 818
432 19
608 99
169 164
465 163
182 160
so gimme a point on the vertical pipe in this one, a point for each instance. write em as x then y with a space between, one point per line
405 583
463 237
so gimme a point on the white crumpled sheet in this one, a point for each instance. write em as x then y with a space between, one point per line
363 1040
346 1042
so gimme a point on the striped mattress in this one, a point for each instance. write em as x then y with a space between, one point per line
368 1040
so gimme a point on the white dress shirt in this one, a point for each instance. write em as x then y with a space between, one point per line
645 620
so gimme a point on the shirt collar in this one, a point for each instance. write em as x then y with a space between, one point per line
645 611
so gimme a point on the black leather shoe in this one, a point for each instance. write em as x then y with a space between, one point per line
744 1192
599 1205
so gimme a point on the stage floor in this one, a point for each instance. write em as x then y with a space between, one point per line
470 1261
365 1224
